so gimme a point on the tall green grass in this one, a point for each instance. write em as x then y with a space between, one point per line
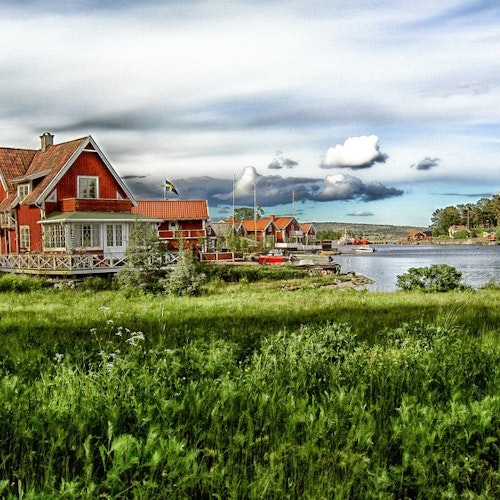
250 392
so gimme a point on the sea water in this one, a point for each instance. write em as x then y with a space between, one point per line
478 264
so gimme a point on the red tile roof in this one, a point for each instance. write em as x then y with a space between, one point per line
14 163
251 225
307 226
173 209
52 161
283 222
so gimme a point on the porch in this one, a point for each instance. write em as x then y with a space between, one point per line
57 264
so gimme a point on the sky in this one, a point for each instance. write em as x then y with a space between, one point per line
361 111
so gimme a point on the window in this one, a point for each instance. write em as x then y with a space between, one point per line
114 235
24 238
6 219
23 190
87 187
54 236
86 235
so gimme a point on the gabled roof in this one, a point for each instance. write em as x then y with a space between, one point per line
14 163
283 222
225 228
173 209
251 225
19 165
307 226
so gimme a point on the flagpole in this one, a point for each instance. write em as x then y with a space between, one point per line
255 209
234 210
293 203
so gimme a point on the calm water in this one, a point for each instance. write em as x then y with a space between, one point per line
478 264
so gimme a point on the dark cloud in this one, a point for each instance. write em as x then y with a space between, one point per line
270 191
279 162
360 213
142 119
133 177
469 195
426 164
348 187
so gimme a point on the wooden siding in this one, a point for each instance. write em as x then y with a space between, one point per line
94 205
89 164
29 216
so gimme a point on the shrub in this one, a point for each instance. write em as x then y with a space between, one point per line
461 235
145 268
185 278
251 274
22 283
94 284
435 278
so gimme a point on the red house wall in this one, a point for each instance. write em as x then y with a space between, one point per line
29 216
88 164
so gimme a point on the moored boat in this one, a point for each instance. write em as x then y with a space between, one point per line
364 249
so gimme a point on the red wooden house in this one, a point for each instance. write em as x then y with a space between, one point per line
288 229
308 232
181 220
260 230
64 210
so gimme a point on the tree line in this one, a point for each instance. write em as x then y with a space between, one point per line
485 213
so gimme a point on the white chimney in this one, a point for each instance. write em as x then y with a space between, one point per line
47 140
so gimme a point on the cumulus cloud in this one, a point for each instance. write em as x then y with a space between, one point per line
348 187
426 164
279 162
355 153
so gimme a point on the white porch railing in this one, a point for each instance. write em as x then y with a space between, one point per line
64 264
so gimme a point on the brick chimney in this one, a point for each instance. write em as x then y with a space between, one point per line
47 140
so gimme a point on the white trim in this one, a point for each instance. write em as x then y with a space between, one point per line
52 184
52 198
92 177
24 232
23 190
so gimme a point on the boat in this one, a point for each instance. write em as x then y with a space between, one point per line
273 257
364 249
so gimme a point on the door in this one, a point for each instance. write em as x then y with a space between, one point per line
114 241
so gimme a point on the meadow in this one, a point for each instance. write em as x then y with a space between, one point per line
273 389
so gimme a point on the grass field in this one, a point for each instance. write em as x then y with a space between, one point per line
276 389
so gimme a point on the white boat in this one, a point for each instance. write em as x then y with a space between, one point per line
364 249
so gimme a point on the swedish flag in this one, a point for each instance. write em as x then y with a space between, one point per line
170 187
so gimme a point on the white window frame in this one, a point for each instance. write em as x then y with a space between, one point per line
114 235
86 235
23 190
24 237
85 189
54 236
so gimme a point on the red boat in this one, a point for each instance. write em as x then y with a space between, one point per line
273 257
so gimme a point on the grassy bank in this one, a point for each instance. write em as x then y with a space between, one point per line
256 390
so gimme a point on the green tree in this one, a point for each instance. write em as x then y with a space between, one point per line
492 210
144 268
248 213
443 218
